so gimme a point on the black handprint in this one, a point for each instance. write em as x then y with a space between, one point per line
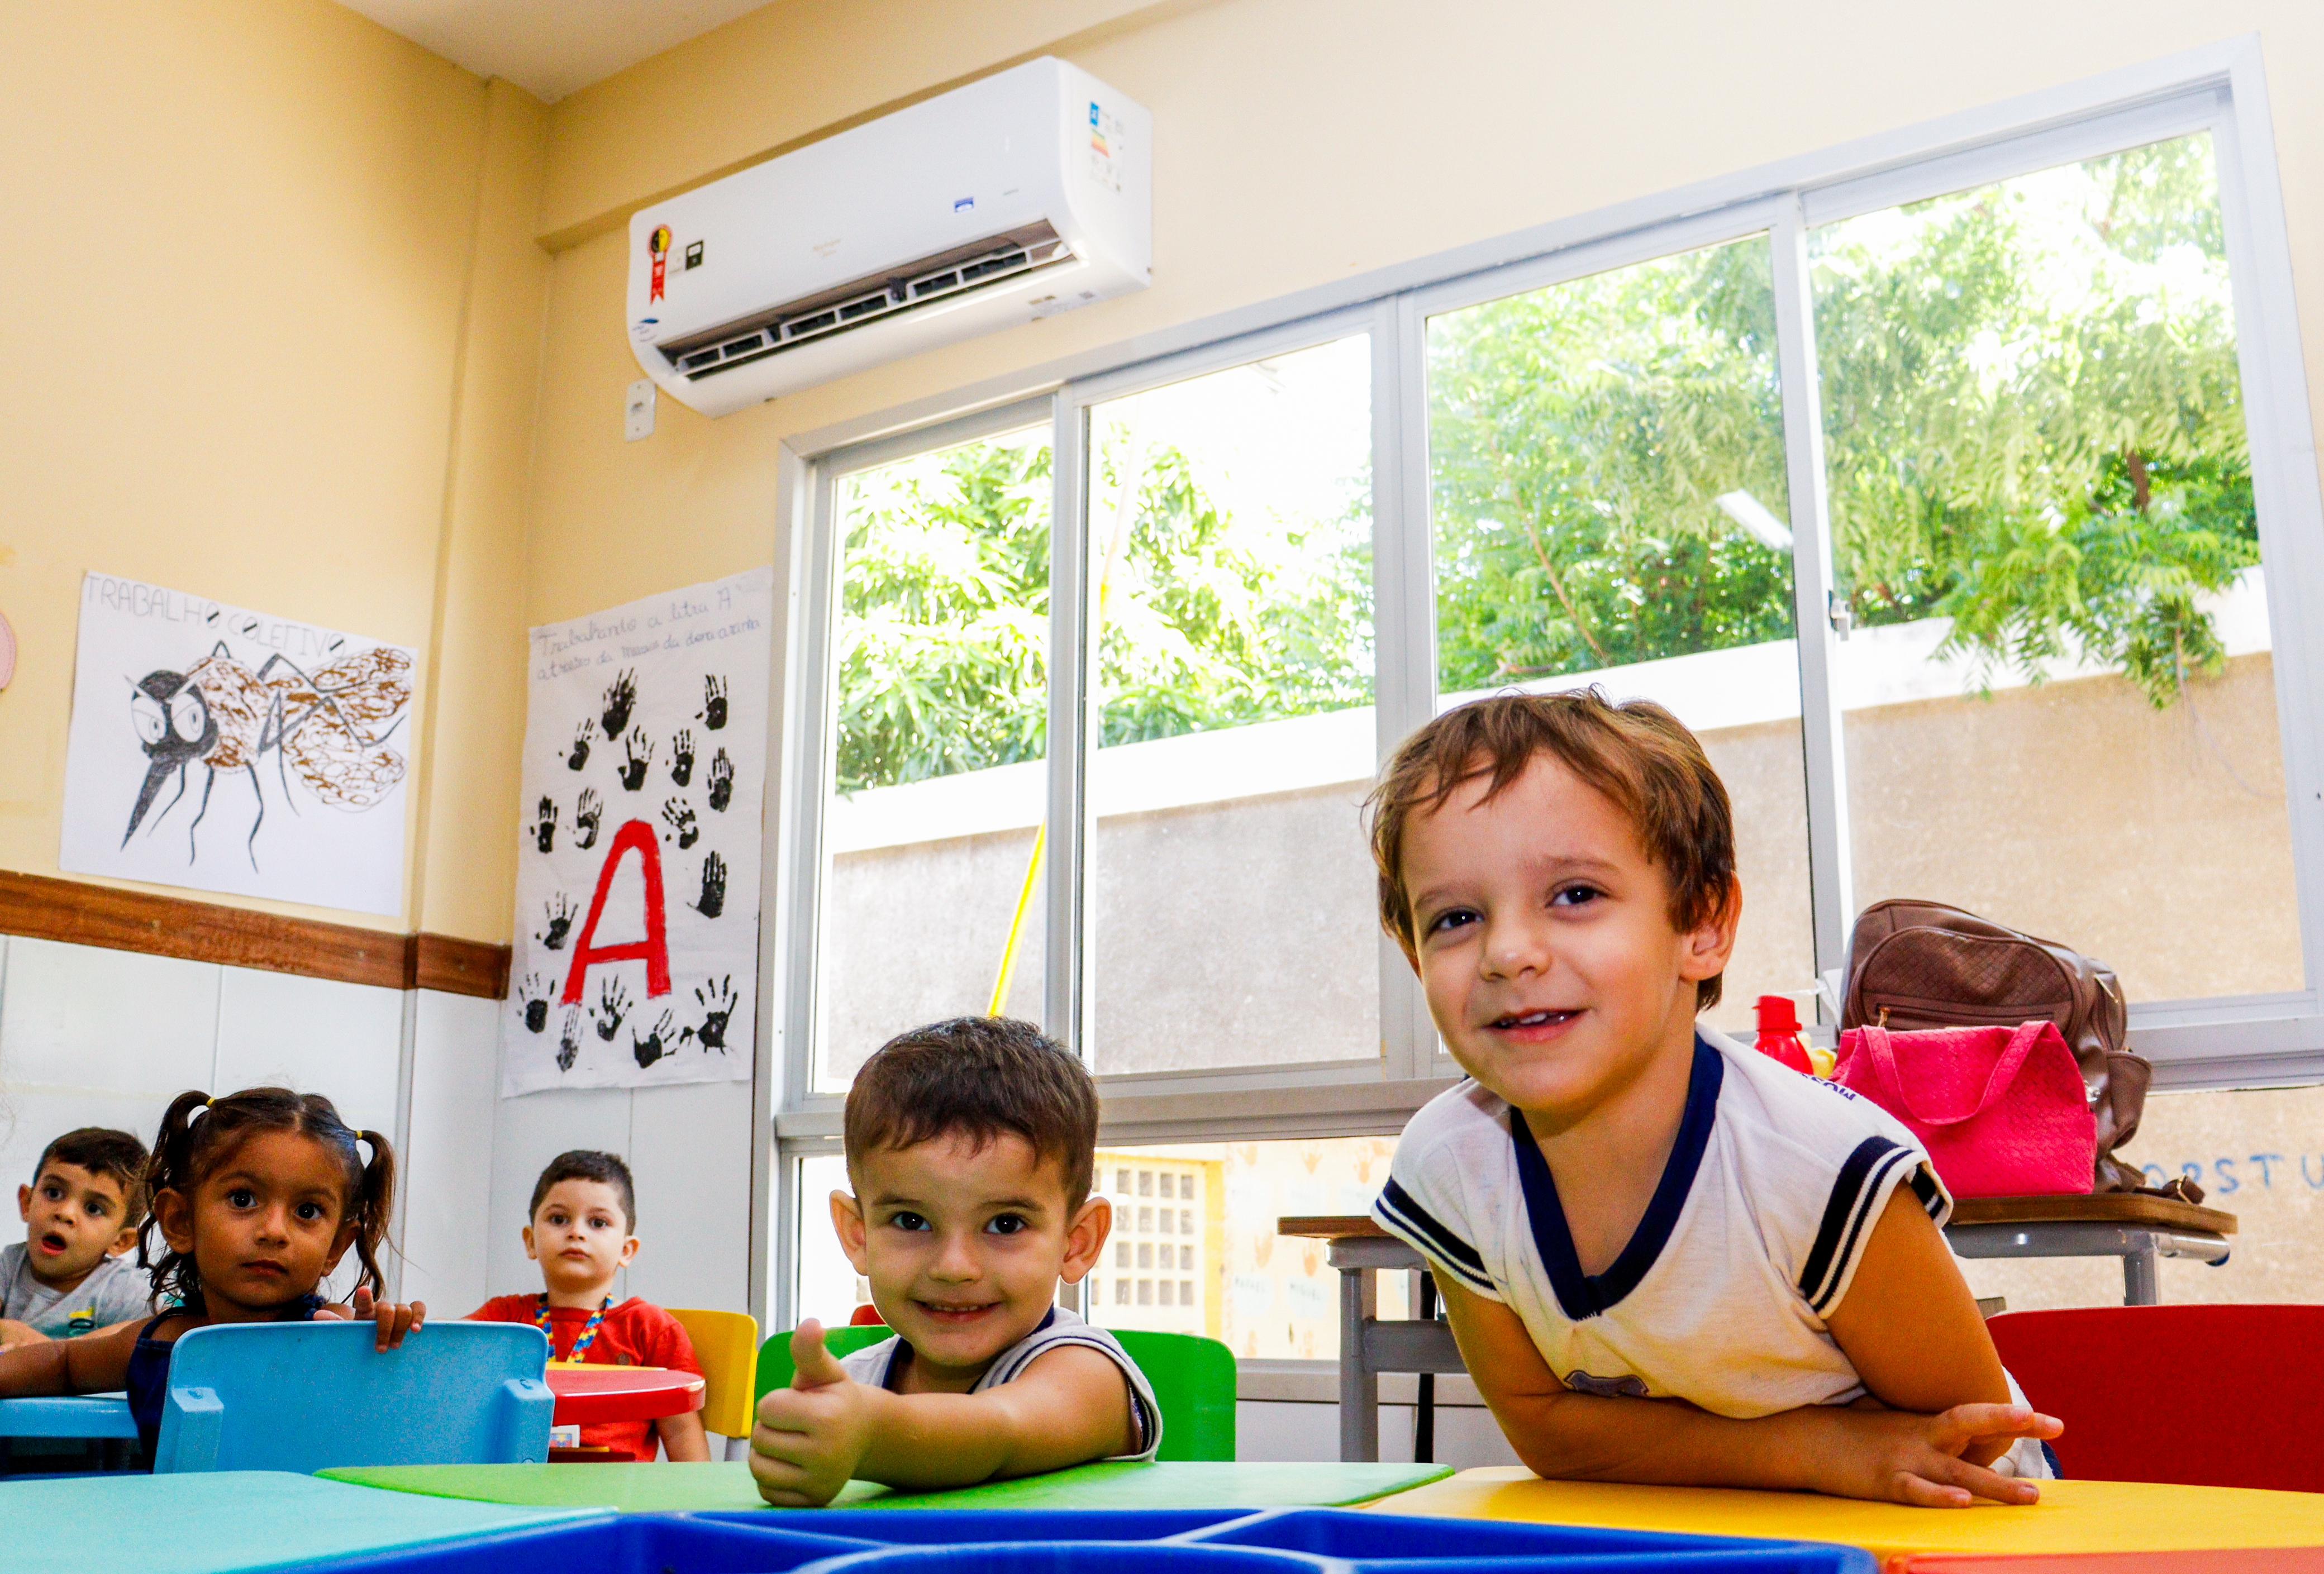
586 813
681 757
651 1049
581 737
718 1000
620 698
714 887
639 749
544 834
560 923
721 781
713 703
680 819
613 1005
535 995
568 1046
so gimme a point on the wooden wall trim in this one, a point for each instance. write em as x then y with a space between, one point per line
43 908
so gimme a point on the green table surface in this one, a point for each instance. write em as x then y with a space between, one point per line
223 1522
661 1487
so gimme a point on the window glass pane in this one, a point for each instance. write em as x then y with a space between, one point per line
1606 483
1231 576
2057 686
937 784
1268 1296
829 1289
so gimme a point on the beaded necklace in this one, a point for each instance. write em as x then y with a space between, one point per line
589 1334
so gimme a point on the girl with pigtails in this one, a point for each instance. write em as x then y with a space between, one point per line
255 1198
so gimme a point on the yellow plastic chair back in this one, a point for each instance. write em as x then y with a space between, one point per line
726 1343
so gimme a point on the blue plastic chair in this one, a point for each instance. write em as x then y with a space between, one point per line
311 1396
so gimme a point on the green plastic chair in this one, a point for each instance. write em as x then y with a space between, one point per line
1193 1378
774 1365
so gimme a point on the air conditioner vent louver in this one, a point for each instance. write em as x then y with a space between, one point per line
945 276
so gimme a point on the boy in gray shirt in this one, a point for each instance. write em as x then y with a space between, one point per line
72 1275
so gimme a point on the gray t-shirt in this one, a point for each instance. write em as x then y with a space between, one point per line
874 1365
115 1291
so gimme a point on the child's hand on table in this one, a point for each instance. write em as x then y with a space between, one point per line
14 1333
1925 1460
395 1319
811 1435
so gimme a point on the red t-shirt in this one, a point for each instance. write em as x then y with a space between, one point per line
635 1333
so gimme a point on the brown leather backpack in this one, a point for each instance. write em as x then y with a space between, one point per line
1922 964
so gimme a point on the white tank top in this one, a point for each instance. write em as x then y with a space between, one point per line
877 1366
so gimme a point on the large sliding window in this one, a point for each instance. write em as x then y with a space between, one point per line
1958 503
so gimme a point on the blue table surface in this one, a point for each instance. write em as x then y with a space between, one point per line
225 1521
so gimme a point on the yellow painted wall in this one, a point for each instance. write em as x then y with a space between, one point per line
1297 142
244 238
377 403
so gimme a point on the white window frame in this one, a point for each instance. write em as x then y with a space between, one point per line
2272 1039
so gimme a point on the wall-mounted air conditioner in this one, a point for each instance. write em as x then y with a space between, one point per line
1015 198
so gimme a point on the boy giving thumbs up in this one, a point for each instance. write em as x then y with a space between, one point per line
969 1145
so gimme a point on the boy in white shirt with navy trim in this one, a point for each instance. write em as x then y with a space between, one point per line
1666 1258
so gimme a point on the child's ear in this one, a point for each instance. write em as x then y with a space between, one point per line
532 1253
339 1244
847 1219
173 1211
24 1203
1709 944
122 1241
1086 1238
630 1250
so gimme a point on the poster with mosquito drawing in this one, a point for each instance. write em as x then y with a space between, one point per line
637 894
225 749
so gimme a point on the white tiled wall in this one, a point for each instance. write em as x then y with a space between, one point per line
689 1149
95 1037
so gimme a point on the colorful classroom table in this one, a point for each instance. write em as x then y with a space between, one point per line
589 1395
225 1521
2081 1517
638 1489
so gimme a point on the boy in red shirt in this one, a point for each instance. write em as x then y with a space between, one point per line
584 1231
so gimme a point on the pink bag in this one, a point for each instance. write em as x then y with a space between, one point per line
2001 1110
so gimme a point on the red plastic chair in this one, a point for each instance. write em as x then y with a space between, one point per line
867 1316
2200 1395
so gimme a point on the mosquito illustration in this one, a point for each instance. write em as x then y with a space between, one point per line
331 728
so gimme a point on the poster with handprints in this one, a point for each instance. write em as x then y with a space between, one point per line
225 749
636 956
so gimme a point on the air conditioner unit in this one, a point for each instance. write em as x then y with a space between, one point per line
1015 198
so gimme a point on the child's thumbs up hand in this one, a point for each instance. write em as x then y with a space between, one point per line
813 1366
811 1435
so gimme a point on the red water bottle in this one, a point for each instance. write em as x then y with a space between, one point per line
1779 1033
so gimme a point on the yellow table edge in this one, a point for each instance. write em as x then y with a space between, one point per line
2073 1516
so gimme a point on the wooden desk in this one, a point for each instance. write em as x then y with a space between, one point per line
2138 1230
2073 1516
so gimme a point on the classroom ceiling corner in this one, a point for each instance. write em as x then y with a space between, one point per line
550 48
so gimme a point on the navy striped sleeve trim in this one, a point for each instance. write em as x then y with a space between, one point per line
1856 1196
1398 1213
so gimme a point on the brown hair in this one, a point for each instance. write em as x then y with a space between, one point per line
101 1150
1637 753
587 1163
979 1076
189 1150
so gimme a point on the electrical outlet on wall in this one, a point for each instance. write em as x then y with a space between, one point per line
637 413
